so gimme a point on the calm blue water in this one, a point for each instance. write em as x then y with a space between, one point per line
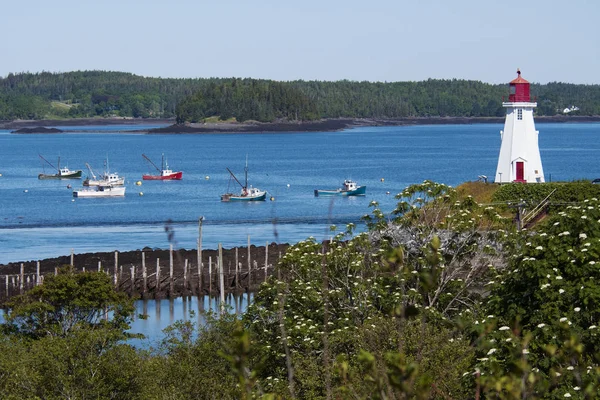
160 314
39 219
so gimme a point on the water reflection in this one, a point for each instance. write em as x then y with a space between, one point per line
162 313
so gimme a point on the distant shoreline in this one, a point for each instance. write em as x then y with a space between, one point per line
328 125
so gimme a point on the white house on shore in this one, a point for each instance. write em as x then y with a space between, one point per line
519 159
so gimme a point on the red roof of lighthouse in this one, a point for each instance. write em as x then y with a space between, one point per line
519 90
519 79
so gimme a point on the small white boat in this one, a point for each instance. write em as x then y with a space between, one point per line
349 188
101 191
247 193
107 178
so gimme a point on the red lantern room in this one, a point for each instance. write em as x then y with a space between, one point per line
519 90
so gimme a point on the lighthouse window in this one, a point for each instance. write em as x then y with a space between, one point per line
519 114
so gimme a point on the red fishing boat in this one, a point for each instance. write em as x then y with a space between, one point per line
164 173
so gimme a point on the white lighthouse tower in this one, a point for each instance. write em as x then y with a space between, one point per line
519 159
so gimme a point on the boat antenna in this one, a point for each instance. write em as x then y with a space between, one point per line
246 171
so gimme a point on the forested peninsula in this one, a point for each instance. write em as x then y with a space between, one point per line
105 94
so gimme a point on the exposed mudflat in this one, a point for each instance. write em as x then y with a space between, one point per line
333 124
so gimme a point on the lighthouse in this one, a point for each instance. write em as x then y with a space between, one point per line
519 159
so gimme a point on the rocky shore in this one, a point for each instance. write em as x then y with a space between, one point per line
334 124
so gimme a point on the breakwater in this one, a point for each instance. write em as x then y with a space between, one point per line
157 273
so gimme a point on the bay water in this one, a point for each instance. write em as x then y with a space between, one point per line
41 219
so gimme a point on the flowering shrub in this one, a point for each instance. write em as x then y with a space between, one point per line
549 298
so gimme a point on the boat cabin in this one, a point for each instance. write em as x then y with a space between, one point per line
350 185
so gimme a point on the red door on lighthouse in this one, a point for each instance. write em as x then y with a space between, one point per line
520 170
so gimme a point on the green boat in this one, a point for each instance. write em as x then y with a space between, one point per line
63 173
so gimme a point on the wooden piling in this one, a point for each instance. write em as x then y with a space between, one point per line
21 280
171 283
199 255
132 285
37 274
144 274
266 259
200 265
7 280
99 266
185 268
236 262
72 258
237 275
255 266
157 287
209 275
221 279
249 264
116 268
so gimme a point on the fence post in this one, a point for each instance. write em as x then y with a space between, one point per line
144 274
72 258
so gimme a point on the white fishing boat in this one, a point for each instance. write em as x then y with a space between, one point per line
247 193
349 188
107 178
101 191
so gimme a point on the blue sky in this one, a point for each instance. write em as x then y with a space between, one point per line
376 40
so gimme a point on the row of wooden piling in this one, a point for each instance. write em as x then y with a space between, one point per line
182 278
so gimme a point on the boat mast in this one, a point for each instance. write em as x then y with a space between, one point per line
246 171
